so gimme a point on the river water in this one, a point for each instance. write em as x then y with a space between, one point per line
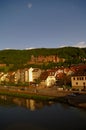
28 114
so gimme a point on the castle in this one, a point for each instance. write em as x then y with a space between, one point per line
46 59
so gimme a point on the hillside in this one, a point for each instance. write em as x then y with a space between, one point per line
21 58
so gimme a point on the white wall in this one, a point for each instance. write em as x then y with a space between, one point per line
30 75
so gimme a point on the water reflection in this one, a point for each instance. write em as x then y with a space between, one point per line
27 103
57 116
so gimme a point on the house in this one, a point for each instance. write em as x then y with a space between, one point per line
3 77
30 75
34 73
68 71
22 76
11 77
17 76
26 75
78 81
50 81
48 78
59 73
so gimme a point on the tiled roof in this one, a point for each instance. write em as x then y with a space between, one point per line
80 73
44 75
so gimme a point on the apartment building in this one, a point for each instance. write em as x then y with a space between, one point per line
34 73
78 82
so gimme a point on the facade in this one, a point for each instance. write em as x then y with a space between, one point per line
22 76
26 75
48 78
50 81
17 76
78 82
30 75
34 73
45 59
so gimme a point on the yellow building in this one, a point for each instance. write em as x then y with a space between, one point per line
78 82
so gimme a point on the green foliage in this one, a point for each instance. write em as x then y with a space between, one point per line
15 59
28 96
4 69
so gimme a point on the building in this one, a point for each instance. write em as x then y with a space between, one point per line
26 75
17 76
34 73
48 78
46 59
78 81
50 81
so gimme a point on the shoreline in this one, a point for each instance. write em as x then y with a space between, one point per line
61 96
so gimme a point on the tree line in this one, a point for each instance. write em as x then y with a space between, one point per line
15 59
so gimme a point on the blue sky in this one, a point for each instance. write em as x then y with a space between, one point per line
42 23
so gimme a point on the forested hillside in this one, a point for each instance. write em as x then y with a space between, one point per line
20 58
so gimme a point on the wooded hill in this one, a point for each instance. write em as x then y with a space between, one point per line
20 58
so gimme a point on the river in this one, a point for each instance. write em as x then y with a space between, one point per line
28 114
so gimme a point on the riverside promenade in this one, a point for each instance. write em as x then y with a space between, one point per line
77 99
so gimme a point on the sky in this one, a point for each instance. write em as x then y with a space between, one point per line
27 24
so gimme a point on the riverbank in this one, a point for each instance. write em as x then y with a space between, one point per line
26 95
77 101
49 94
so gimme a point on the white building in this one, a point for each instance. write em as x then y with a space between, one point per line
31 74
34 73
50 81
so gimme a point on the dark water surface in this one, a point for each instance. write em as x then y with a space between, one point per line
28 114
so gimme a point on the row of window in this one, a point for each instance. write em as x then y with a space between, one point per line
79 78
83 83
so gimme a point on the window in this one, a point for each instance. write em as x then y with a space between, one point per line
76 83
83 83
82 78
77 78
74 78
